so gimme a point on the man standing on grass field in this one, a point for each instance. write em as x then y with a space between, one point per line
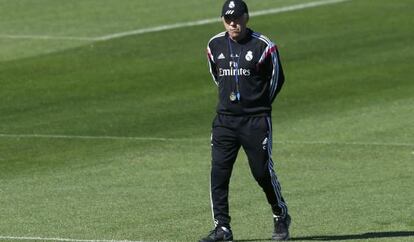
245 66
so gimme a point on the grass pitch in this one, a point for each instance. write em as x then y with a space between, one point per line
344 144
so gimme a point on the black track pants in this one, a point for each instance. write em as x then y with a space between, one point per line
254 134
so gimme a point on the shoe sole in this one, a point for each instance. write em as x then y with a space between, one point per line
280 238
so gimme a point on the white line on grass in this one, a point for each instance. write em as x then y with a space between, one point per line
214 20
175 25
346 143
88 137
59 239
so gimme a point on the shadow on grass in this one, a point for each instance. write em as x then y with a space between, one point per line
370 235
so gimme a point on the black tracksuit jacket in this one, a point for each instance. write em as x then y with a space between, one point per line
253 61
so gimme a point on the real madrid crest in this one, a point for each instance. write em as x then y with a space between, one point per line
231 4
249 55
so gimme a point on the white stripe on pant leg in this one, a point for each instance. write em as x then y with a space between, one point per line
275 183
215 222
276 187
282 204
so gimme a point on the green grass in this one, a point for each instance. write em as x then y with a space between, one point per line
344 147
96 18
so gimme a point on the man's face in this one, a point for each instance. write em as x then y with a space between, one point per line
236 27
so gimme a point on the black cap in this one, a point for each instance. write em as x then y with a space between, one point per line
234 8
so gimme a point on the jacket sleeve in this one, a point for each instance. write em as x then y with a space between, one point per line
212 65
272 70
